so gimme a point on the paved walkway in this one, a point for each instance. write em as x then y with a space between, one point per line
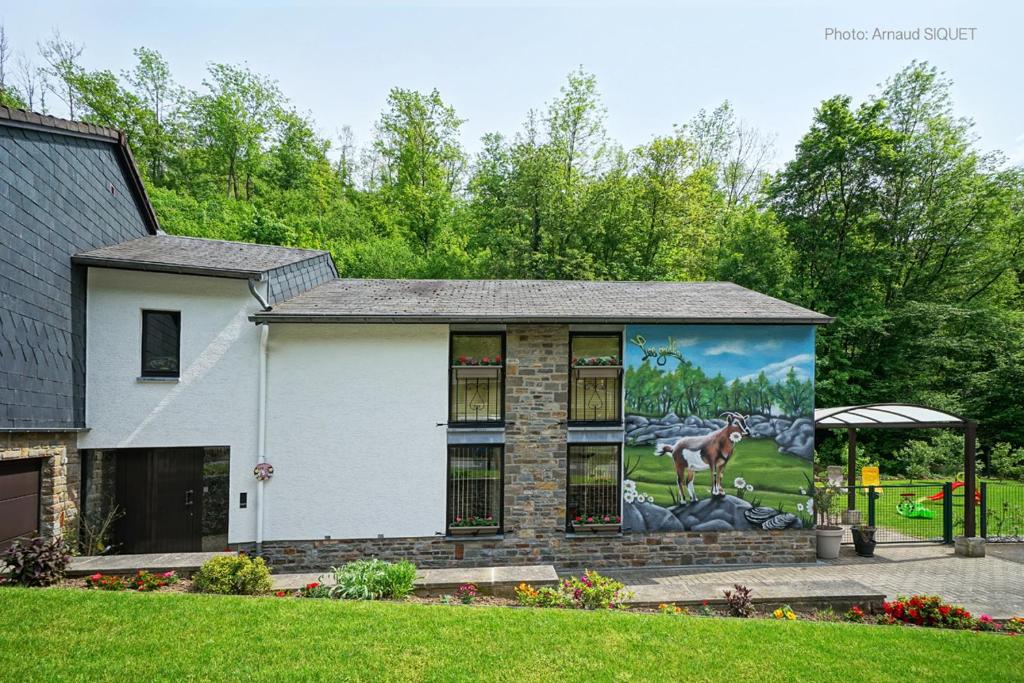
993 584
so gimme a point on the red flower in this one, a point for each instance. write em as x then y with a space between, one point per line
485 360
96 577
280 594
311 586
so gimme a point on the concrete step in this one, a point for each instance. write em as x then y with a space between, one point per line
184 564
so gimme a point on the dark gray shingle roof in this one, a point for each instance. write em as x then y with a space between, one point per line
535 300
195 256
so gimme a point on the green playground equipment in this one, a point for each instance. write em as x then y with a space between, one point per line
913 509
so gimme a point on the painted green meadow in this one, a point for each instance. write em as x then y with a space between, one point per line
757 461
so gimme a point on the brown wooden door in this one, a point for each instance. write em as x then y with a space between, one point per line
19 500
160 492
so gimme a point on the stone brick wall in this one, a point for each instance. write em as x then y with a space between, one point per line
60 474
537 367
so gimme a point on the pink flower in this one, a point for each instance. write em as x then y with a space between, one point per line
96 577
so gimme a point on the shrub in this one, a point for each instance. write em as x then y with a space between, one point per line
925 610
373 580
314 589
784 612
529 596
987 623
233 575
855 614
739 601
36 561
106 582
590 590
466 593
1015 626
673 609
148 581
1006 463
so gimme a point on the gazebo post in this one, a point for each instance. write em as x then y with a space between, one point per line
851 469
970 434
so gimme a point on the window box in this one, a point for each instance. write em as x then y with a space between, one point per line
598 371
473 371
473 530
595 528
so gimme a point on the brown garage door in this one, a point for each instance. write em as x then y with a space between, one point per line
19 500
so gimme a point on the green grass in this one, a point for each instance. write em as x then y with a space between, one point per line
776 477
1010 493
48 635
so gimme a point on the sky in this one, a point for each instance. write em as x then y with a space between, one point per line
657 62
736 351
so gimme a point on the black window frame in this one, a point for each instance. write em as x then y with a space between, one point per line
568 474
452 368
448 483
618 421
146 313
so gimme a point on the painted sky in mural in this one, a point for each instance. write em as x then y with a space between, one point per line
719 427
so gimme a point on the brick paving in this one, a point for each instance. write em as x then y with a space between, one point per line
993 584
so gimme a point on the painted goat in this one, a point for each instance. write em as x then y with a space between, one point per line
699 453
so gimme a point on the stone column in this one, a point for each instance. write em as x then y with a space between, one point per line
537 367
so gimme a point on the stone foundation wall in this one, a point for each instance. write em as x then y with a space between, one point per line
566 552
60 474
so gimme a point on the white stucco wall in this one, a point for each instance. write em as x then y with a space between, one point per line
213 404
352 431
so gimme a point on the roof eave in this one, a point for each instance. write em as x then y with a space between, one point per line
147 266
273 317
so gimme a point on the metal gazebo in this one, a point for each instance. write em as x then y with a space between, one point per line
901 416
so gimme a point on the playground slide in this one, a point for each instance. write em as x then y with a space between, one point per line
956 484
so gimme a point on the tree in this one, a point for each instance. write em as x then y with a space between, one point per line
419 166
62 69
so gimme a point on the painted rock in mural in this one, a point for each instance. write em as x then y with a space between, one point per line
648 517
717 513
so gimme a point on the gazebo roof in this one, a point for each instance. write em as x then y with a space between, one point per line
884 415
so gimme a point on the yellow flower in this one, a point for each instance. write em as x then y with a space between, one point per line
791 616
777 613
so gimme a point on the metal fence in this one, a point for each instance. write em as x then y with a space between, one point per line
933 512
476 396
595 399
1001 518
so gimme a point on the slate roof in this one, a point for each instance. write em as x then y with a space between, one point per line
195 256
21 118
535 301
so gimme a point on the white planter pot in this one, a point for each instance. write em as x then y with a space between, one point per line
828 543
477 371
597 371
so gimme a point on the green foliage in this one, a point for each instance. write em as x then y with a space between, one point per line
1007 462
233 575
887 215
942 455
590 590
374 580
36 561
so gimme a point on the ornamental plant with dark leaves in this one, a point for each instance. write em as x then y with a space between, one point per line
36 561
739 601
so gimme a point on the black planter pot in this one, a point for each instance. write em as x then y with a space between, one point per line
864 540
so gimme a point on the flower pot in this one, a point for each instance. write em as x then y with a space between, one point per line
595 528
829 539
864 540
472 530
597 370
476 371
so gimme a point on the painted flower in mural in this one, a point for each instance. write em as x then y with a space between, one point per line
749 487
629 485
803 492
800 507
810 506
740 483
629 496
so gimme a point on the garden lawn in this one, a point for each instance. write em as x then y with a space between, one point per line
62 634
776 477
1005 508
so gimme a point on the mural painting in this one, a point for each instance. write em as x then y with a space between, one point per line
719 427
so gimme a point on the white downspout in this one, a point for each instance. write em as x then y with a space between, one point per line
261 434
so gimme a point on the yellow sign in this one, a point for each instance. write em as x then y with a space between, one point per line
869 476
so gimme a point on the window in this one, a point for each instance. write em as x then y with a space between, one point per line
595 384
476 394
474 489
161 343
592 496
